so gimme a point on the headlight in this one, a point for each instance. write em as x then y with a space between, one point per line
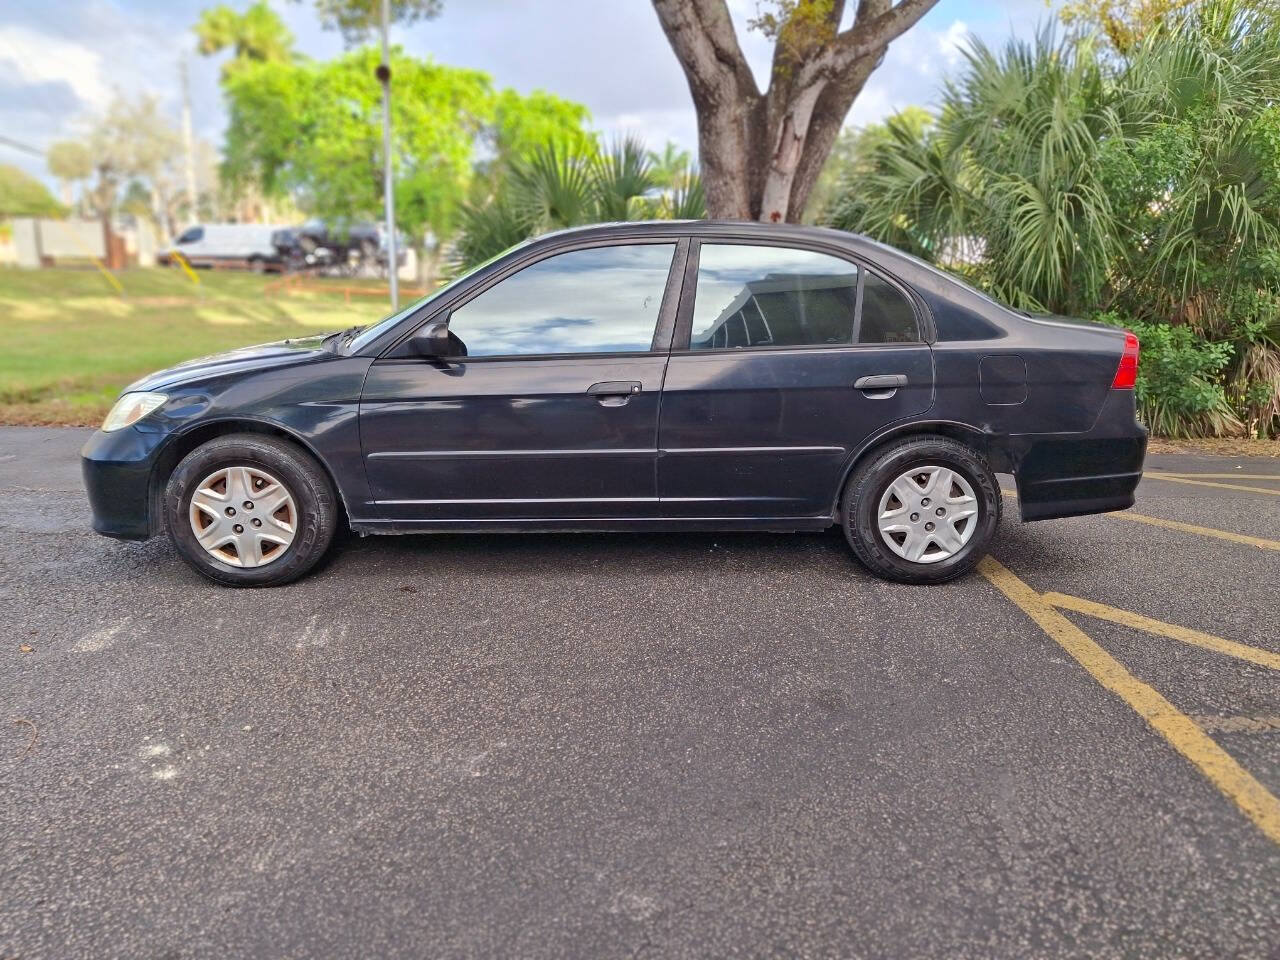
131 408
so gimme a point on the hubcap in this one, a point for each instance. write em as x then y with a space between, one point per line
234 539
928 514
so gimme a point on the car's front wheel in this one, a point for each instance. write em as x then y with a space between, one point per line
923 510
250 510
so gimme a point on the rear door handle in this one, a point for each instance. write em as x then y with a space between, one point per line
884 381
614 393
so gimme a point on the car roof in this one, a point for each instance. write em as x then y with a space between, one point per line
902 265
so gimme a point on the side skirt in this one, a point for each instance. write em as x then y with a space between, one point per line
598 525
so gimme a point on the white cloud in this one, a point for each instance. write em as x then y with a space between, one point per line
952 42
39 58
654 127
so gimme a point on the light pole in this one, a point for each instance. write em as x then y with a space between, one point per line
189 153
388 194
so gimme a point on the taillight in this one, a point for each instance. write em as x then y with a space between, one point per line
1127 372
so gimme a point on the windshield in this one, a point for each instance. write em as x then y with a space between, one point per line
369 334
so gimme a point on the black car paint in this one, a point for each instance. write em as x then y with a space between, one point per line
712 439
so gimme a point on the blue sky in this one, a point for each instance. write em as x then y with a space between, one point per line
61 62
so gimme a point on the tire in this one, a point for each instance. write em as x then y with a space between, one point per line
290 539
868 490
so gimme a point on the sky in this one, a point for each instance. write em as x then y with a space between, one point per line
62 61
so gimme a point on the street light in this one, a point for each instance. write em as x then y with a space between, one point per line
384 77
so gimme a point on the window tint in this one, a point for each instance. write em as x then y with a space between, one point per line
887 316
602 300
193 235
771 297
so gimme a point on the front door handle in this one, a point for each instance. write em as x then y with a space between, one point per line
614 393
881 386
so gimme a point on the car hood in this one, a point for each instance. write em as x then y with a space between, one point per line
261 357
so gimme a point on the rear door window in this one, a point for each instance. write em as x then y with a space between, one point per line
750 296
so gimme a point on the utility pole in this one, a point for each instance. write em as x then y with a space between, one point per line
388 194
192 213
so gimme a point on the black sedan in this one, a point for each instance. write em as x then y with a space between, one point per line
637 376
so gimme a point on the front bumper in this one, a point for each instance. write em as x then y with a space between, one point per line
1094 472
117 468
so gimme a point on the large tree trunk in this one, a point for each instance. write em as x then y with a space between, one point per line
761 153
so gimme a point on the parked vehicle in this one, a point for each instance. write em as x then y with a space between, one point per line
345 247
247 245
665 376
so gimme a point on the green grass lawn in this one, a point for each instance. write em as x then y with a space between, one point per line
71 342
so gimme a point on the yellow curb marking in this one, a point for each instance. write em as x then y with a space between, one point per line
1179 730
1260 542
1170 478
1241 651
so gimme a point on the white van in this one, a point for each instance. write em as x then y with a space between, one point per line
227 245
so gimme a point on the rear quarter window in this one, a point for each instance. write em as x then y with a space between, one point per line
887 315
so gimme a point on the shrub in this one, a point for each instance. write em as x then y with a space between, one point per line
1179 389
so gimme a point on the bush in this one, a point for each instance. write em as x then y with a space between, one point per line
1179 390
1145 184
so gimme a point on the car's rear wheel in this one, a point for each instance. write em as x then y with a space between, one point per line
923 510
250 510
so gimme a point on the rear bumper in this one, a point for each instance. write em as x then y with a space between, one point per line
117 476
1071 474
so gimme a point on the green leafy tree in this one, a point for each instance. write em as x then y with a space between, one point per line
257 35
22 195
72 163
356 19
312 131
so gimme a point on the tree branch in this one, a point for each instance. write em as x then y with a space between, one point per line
701 34
870 32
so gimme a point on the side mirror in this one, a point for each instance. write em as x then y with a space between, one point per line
432 340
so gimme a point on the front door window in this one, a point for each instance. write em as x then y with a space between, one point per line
593 301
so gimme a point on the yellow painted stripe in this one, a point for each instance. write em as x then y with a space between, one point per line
186 267
1260 542
1241 651
1217 476
1170 478
1179 730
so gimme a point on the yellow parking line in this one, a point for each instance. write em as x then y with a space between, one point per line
1179 730
1157 475
1260 542
1241 651
1217 476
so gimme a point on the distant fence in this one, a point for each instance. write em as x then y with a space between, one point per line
43 243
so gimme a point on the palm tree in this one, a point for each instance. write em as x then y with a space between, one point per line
1013 163
556 187
256 36
1146 187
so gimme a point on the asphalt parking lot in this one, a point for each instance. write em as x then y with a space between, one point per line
666 746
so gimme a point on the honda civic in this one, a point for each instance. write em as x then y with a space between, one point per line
637 376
